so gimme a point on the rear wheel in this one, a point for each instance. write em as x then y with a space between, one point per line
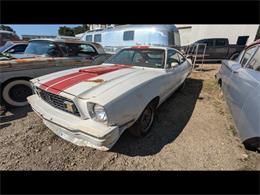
15 93
143 125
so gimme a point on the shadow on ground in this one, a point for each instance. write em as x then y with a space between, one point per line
172 117
14 113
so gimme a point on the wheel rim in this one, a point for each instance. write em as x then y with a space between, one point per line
146 119
16 92
19 93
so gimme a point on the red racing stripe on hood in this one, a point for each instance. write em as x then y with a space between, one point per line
61 83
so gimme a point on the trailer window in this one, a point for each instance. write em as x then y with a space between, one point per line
128 36
97 38
88 38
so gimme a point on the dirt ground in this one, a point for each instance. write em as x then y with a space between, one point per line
193 130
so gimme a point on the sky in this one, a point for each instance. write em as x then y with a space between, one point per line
23 29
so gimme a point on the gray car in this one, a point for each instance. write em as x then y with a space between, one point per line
240 82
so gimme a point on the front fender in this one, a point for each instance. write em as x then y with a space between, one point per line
129 106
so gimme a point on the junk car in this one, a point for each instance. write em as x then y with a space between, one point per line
93 106
240 83
43 56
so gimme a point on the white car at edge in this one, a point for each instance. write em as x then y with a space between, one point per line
92 106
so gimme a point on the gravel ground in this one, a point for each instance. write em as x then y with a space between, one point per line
193 130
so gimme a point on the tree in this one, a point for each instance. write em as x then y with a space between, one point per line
7 28
81 29
66 31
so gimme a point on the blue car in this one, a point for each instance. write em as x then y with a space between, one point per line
240 83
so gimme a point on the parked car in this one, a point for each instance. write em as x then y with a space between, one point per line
43 56
217 49
14 47
6 36
240 82
93 106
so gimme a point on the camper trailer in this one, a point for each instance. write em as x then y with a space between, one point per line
115 38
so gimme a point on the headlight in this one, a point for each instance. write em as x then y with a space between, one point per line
97 112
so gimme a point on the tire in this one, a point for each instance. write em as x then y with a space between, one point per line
252 144
143 125
15 93
234 56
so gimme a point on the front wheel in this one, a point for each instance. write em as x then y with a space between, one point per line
15 93
143 125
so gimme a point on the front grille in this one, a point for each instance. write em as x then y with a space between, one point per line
57 101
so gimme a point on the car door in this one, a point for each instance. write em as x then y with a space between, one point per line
220 49
248 123
176 68
209 52
240 85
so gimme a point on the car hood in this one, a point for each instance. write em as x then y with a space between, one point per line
99 80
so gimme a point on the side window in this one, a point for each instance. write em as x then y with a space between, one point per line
18 49
220 42
128 36
82 50
86 49
88 38
254 63
53 51
248 53
64 48
172 58
97 38
209 42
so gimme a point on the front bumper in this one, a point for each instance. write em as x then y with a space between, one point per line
74 129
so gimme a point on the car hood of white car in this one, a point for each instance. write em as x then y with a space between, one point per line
106 80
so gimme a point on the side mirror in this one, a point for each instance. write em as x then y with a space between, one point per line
174 64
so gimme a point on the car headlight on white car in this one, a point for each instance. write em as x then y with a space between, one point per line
97 112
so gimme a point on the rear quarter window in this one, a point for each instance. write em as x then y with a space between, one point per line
247 55
254 63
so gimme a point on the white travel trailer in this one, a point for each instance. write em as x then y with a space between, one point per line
114 38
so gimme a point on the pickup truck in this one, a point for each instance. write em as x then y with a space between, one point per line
217 49
43 56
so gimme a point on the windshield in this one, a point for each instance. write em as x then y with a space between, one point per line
152 58
45 48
